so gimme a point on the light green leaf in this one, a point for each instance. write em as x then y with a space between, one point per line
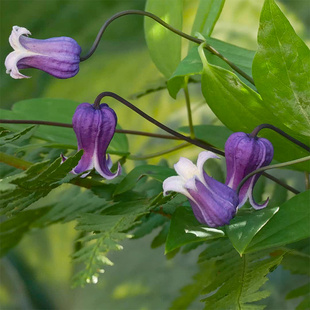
184 229
191 64
207 15
281 70
288 225
246 225
164 45
240 108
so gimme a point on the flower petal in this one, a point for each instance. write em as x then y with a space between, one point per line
175 184
185 168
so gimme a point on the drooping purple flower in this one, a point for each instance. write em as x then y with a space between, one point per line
94 129
59 56
244 154
213 203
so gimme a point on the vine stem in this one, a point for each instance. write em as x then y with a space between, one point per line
256 130
288 163
174 30
189 111
196 142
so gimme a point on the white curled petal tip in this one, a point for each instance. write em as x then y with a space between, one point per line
191 184
15 34
202 158
11 65
185 168
175 184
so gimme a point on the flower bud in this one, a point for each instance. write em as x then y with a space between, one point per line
213 203
59 57
94 129
244 154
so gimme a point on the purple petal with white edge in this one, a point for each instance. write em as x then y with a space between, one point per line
209 208
105 130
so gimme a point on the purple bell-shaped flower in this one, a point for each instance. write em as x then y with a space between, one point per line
94 129
59 57
244 154
213 203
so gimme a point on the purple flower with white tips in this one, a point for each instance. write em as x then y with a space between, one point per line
244 154
59 56
94 129
213 203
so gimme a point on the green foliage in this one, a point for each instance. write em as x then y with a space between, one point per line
7 137
21 190
240 108
164 46
281 70
191 64
288 225
229 280
184 229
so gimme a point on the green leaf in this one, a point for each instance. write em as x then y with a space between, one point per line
302 291
281 70
164 45
288 225
238 280
156 172
21 190
246 225
191 64
184 229
240 108
207 15
6 137
55 110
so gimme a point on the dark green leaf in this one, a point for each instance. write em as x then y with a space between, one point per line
281 70
6 137
21 190
157 172
288 225
164 45
184 229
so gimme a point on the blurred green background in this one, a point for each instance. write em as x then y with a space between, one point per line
37 274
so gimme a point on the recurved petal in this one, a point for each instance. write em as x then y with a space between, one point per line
14 38
175 184
185 168
202 158
11 65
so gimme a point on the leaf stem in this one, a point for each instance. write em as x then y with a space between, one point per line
255 132
189 111
288 163
164 24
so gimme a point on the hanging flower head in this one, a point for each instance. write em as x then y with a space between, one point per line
59 57
94 129
244 154
213 203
